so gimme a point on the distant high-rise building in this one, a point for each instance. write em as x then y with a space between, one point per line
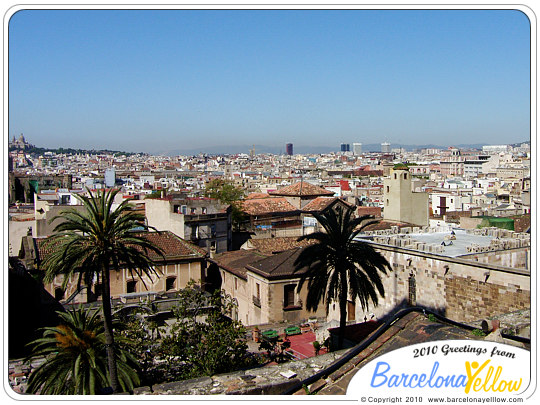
385 147
357 148
110 177
289 149
345 147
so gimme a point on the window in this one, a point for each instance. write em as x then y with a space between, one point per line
170 283
351 310
405 176
288 292
395 176
58 293
235 283
387 189
131 286
412 290
257 297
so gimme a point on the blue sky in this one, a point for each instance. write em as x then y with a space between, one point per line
182 79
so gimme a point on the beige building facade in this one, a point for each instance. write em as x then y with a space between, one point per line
401 204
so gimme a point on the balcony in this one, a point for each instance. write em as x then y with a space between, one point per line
292 307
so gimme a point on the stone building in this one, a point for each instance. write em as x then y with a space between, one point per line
401 204
488 274
182 262
264 285
202 221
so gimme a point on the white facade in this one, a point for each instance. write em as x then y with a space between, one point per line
495 148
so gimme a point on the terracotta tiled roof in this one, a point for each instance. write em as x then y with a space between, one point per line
252 196
170 244
277 245
382 225
301 189
173 245
236 261
375 211
321 203
278 266
261 206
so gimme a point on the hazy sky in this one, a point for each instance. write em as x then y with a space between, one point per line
180 79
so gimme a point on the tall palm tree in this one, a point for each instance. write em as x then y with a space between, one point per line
339 267
76 359
91 242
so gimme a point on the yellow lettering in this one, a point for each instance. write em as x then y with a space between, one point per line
471 376
515 387
477 383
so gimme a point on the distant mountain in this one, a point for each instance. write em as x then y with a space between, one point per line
302 149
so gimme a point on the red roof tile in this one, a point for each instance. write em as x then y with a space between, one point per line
277 245
301 189
170 244
261 206
321 203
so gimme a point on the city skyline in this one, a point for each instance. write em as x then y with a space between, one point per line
157 80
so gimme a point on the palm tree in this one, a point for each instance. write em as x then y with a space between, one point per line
91 242
339 267
76 355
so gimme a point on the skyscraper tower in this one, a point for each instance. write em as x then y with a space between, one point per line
289 149
357 148
385 147
345 147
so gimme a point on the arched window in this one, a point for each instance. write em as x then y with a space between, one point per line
170 283
412 289
131 286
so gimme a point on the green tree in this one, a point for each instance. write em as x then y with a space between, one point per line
340 267
76 357
227 193
89 243
204 340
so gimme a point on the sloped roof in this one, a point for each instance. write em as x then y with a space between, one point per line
321 203
382 225
170 244
278 266
398 331
261 206
252 196
236 261
278 245
301 189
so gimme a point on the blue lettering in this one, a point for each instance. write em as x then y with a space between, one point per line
413 377
433 372
381 374
461 381
422 379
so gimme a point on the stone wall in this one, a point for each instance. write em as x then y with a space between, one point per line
459 289
468 299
